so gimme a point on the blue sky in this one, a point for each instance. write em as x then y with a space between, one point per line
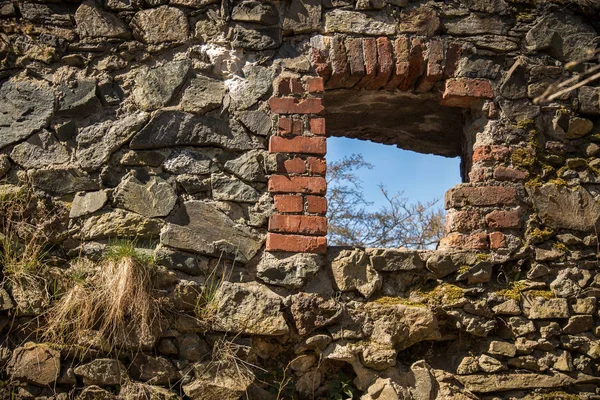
422 177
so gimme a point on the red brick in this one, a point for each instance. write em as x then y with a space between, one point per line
385 64
477 241
296 86
355 61
490 153
480 196
402 62
290 126
316 205
315 85
463 92
293 166
370 57
290 105
480 174
289 86
298 144
503 219
316 166
510 174
417 63
339 63
297 184
317 126
497 240
452 59
463 221
296 243
434 71
303 224
288 203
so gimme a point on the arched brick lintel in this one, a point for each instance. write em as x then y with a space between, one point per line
299 223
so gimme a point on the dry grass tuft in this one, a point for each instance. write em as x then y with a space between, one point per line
116 302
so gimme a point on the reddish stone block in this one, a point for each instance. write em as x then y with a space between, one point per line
490 153
463 221
315 85
339 63
385 64
293 166
298 144
434 70
296 243
303 224
290 105
316 205
288 203
417 63
402 63
290 126
497 240
297 184
283 87
452 59
316 166
370 57
477 241
480 196
355 61
480 174
317 126
320 61
463 92
510 174
503 219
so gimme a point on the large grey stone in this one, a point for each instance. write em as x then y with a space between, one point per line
229 188
77 98
475 25
87 203
257 122
560 207
259 12
96 143
40 150
257 82
188 161
288 270
249 308
102 371
395 260
223 382
155 87
255 37
589 100
202 95
199 227
513 381
541 308
174 128
248 166
374 23
60 181
302 16
35 363
352 270
120 224
47 14
159 25
5 165
154 198
93 22
563 36
26 107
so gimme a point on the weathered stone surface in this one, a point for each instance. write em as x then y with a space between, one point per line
585 344
149 158
509 307
249 308
589 100
569 282
502 349
475 25
249 166
377 23
35 363
473 324
40 150
139 391
95 392
443 263
96 143
257 122
352 270
490 364
5 165
253 37
302 16
511 381
121 224
78 97
223 382
87 203
579 324
288 270
520 326
155 87
420 21
541 308
187 161
561 207
27 107
153 370
102 371
93 22
256 83
468 365
563 36
264 13
578 127
395 260
202 95
200 227
174 128
61 181
154 198
488 6
311 312
159 25
229 188
514 86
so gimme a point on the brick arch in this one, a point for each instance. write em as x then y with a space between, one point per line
405 64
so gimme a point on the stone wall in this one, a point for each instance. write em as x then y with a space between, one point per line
196 129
